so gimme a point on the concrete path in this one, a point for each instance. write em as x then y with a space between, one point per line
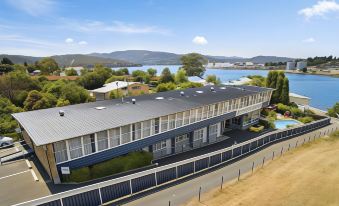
183 192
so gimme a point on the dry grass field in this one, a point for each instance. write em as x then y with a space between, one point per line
308 175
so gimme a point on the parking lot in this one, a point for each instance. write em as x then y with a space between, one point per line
20 181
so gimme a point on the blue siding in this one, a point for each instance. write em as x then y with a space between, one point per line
137 145
115 191
53 203
142 183
90 198
215 159
166 175
185 169
201 164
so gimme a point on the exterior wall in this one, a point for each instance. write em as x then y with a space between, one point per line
27 139
48 162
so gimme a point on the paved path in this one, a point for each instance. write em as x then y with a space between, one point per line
183 192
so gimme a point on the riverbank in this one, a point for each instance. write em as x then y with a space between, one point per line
334 74
303 176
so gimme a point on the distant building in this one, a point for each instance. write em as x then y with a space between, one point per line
125 88
77 69
249 64
290 65
301 65
219 65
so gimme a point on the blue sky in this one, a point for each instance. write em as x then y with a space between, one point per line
293 28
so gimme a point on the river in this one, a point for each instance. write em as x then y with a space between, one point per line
323 90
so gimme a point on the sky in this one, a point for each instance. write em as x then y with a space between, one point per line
245 28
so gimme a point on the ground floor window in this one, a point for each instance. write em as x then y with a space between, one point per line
125 134
213 131
198 135
89 144
102 139
159 146
114 137
181 138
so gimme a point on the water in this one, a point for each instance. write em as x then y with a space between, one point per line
323 90
282 124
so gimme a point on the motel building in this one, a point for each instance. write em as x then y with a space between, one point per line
166 123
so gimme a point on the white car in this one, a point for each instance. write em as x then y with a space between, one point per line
6 141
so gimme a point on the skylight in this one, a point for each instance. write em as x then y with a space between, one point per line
159 98
199 92
100 108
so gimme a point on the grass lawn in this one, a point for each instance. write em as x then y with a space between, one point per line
120 164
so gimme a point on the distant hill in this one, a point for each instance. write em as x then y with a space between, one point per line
71 60
157 58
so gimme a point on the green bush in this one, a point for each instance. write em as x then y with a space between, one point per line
130 161
187 85
256 129
166 87
267 124
281 108
305 120
115 78
272 115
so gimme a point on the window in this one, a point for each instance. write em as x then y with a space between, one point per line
221 108
210 111
75 147
199 114
192 116
187 117
125 134
171 121
60 151
89 144
115 136
155 126
198 135
205 112
181 138
164 123
213 131
146 128
180 117
159 145
136 128
102 139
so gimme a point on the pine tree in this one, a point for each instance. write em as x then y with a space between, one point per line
285 98
279 88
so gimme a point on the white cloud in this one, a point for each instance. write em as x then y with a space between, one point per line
319 9
82 43
115 26
200 40
69 40
33 7
309 40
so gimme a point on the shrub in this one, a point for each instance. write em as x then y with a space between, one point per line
115 78
187 85
305 120
165 87
256 129
272 115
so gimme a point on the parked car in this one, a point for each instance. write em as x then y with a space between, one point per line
6 141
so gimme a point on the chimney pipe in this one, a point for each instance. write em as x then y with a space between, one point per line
212 89
133 101
182 93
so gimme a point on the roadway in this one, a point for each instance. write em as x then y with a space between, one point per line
183 192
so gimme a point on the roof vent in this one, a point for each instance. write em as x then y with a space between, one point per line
212 89
61 113
222 87
199 92
133 101
159 98
182 93
100 108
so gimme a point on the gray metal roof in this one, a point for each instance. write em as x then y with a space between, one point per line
47 126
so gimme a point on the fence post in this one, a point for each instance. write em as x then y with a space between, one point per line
282 149
199 193
263 162
169 202
239 175
296 144
289 145
252 167
273 155
222 182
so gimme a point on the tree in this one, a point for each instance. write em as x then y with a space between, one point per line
47 65
213 79
6 60
115 94
276 96
304 69
7 123
62 102
5 68
38 100
166 87
71 72
193 63
285 93
187 85
166 76
121 72
334 111
152 72
180 76
95 79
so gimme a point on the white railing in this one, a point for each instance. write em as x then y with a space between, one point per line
98 186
